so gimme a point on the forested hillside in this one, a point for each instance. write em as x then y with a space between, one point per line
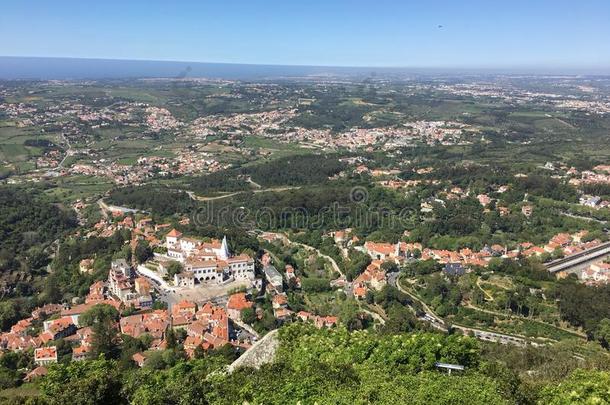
28 223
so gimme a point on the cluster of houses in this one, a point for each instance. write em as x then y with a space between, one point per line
593 201
458 262
372 277
596 273
275 288
427 205
385 138
143 228
566 243
22 335
401 251
318 321
146 167
204 262
53 322
207 327
599 174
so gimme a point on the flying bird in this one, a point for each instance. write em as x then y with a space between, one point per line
440 26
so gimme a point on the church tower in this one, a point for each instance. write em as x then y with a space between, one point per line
224 249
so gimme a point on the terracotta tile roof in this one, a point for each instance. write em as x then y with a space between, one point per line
383 248
79 309
280 299
174 233
360 291
45 353
198 327
81 350
37 372
184 305
139 357
238 302
22 325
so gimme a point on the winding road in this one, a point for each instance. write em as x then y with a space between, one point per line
480 334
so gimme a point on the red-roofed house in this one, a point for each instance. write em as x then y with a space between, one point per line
81 353
39 371
237 303
381 251
45 355
139 359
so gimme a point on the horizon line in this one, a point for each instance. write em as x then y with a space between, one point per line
537 67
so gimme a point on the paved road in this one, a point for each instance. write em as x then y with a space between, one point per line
567 214
574 260
429 315
60 165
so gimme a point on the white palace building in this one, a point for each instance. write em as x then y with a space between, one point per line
206 262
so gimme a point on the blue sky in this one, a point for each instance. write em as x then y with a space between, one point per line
491 33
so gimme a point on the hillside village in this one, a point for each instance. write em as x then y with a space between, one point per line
206 325
181 263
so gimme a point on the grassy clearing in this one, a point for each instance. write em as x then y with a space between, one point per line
69 189
25 391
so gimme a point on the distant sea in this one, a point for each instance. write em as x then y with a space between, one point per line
78 69
72 68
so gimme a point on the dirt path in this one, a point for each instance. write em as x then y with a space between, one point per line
195 197
507 315
330 259
488 295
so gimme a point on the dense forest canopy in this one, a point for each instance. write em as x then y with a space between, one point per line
295 170
28 224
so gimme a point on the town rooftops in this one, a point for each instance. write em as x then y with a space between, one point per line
37 372
238 301
174 233
240 258
44 353
383 248
201 263
184 306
